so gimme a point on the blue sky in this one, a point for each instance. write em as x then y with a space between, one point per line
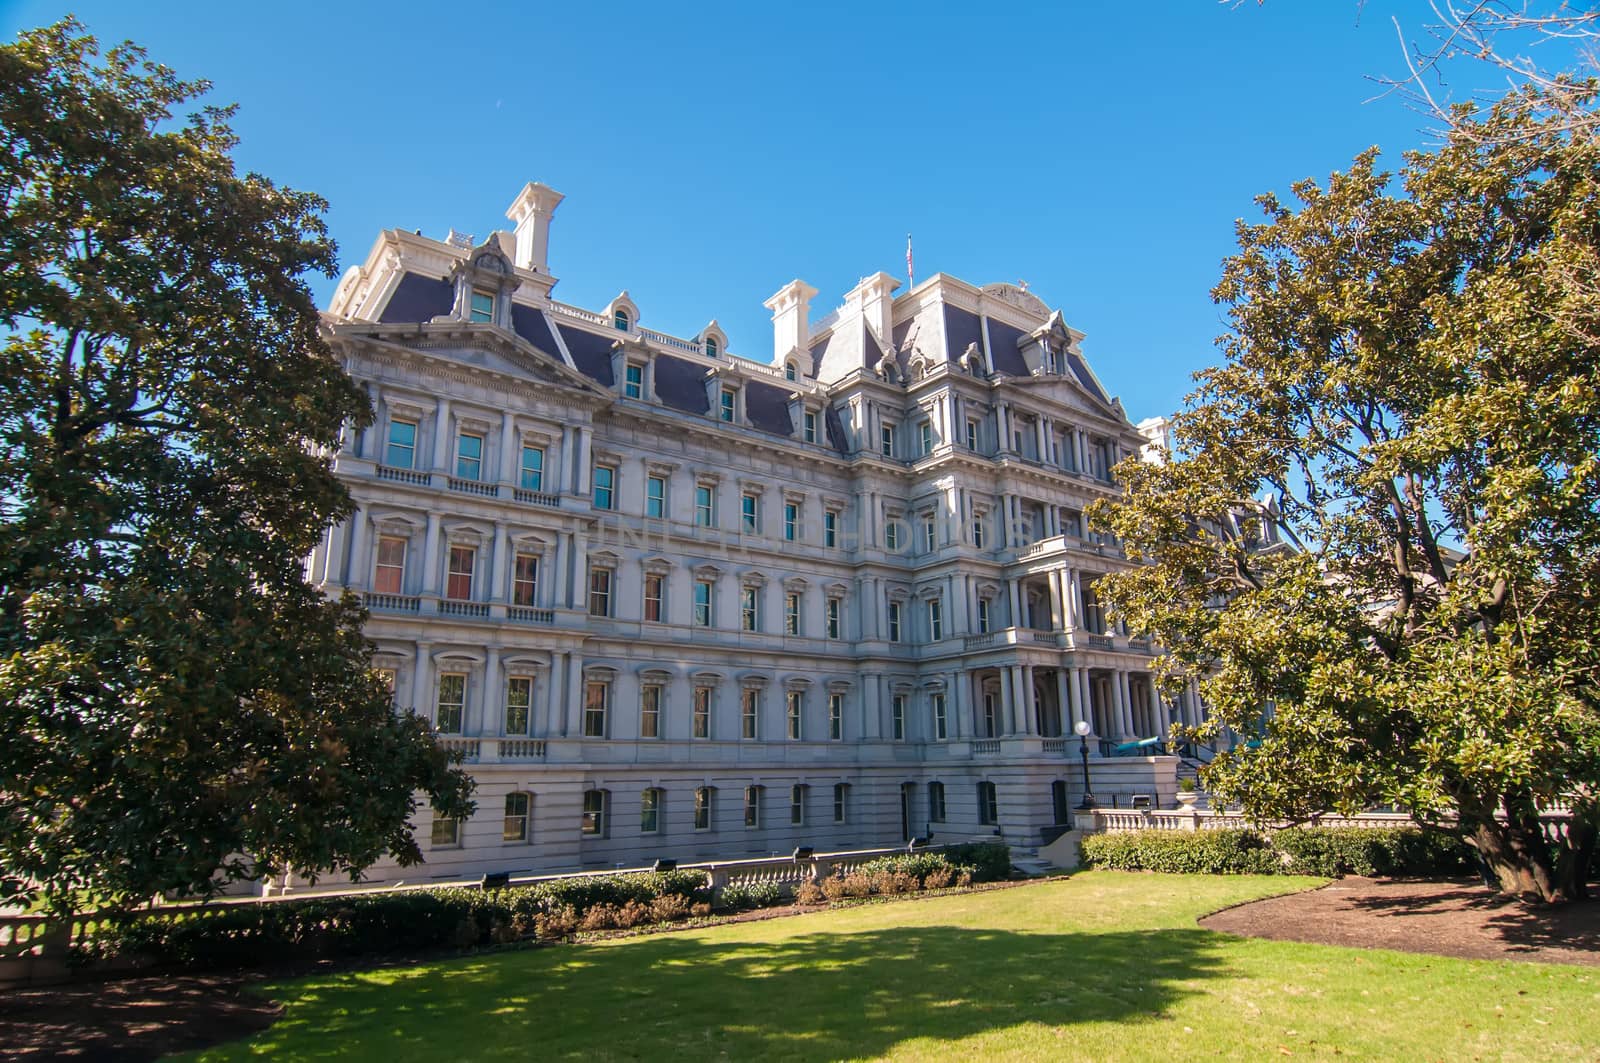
712 152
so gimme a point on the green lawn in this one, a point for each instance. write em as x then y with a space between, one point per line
1102 965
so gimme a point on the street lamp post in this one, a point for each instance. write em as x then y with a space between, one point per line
1082 727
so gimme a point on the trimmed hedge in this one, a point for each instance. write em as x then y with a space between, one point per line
740 896
1329 851
242 935
1201 852
984 861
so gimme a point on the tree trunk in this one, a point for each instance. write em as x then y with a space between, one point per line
1520 855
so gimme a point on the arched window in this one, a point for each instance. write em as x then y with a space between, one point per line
622 321
712 349
790 372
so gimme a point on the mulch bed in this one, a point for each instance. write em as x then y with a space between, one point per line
1459 919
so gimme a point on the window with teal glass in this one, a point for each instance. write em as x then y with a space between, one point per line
469 456
533 468
482 306
402 448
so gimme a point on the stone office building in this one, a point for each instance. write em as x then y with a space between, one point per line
672 602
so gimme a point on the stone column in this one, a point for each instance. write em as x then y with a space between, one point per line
1074 697
499 574
573 710
510 448
1057 613
1085 702
422 693
1015 588
582 474
545 681
960 704
1119 705
1030 702
1071 602
441 438
490 701
432 561
1007 688
1064 700
355 570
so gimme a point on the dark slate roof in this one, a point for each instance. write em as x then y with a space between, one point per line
898 337
961 330
1081 370
818 351
680 384
529 323
835 428
767 407
869 346
591 354
417 299
1003 349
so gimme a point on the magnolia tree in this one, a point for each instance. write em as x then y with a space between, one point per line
1413 372
177 706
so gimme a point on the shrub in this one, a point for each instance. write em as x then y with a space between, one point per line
833 888
601 916
1208 852
964 878
809 892
556 925
917 865
988 861
856 884
938 878
700 909
1404 851
631 914
886 883
739 896
669 908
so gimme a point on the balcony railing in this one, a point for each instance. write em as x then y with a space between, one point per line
473 487
393 603
522 614
536 498
1102 642
985 747
403 476
454 607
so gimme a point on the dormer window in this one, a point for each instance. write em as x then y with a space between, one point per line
711 348
790 372
809 423
726 402
633 381
621 320
482 306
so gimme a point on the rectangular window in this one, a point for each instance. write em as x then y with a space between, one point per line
809 420
514 828
988 806
983 616
936 802
482 307
650 712
894 621
935 619
886 440
930 535
705 515
401 450
750 713
633 381
830 529
791 614
599 592
650 812
525 580
594 709
926 430
519 704
835 717
977 533
452 703
939 721
891 534
653 584
841 799
726 407
972 435
655 497
445 831
793 713
833 618
532 468
750 513
458 583
752 807
605 487
702 712
391 571
797 804
702 603
469 456
897 722
989 721
702 808
791 522
749 611
594 813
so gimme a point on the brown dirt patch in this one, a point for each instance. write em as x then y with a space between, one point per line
1443 918
133 1019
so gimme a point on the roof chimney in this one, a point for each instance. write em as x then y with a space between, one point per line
531 212
791 327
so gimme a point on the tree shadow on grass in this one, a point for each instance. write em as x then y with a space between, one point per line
823 995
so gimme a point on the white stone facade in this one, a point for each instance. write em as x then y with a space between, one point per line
688 605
